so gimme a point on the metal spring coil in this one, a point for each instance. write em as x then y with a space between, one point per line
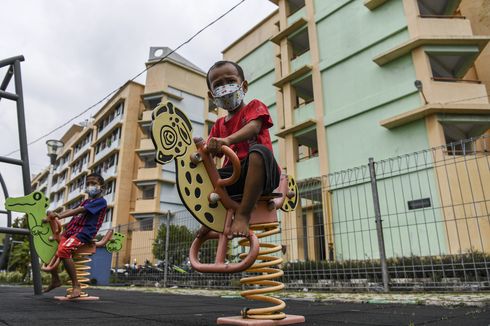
83 272
264 282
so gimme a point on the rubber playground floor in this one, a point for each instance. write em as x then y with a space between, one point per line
19 306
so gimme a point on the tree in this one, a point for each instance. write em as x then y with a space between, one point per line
180 240
19 258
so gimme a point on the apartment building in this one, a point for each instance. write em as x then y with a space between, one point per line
116 144
348 80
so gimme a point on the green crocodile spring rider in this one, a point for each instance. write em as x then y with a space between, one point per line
35 205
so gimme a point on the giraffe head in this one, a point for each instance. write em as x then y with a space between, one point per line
35 201
171 132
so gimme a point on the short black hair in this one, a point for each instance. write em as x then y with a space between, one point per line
99 178
218 64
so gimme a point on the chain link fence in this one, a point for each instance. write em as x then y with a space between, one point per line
413 222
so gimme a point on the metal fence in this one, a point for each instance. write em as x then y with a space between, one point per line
417 222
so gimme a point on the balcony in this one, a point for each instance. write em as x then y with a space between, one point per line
54 205
81 151
110 198
146 116
149 173
58 185
460 92
74 194
78 172
308 168
116 121
301 13
146 144
109 173
107 150
304 113
146 205
450 27
300 61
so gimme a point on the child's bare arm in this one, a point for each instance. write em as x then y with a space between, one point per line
248 131
69 212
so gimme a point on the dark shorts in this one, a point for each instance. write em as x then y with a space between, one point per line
272 172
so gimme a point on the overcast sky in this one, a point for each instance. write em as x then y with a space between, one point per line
77 51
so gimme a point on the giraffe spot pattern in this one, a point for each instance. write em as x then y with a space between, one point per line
199 179
187 191
197 207
197 192
209 217
188 177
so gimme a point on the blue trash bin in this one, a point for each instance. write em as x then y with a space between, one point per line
100 267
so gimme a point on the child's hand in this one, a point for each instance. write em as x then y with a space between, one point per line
214 144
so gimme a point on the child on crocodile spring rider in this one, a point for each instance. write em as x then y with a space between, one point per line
245 130
88 218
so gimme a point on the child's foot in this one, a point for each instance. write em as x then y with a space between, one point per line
52 286
75 293
239 227
202 231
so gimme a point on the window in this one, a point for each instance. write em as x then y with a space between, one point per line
151 101
149 162
299 43
437 8
307 145
108 215
458 131
146 131
294 5
304 91
146 224
451 64
148 192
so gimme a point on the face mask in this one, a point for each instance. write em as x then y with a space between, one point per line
93 191
228 97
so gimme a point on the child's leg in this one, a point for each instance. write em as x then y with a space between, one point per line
55 281
72 272
254 184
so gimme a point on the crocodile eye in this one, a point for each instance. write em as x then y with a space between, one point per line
37 196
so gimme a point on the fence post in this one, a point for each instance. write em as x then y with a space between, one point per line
379 224
167 237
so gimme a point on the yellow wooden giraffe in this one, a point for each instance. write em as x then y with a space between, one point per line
172 137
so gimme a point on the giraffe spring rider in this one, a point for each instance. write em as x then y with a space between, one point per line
203 193
46 236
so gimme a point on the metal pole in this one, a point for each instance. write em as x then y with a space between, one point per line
379 225
117 257
167 238
26 175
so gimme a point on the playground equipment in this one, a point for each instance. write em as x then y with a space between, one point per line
203 193
46 235
13 70
34 205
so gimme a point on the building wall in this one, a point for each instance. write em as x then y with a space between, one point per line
355 93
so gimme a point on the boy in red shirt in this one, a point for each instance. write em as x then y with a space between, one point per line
245 131
80 230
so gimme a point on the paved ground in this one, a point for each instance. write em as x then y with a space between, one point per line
18 306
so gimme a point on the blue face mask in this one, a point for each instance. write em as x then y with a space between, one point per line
229 96
93 191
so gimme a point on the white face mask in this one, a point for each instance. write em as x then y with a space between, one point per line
93 191
228 97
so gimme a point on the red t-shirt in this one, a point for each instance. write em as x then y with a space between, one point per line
252 111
